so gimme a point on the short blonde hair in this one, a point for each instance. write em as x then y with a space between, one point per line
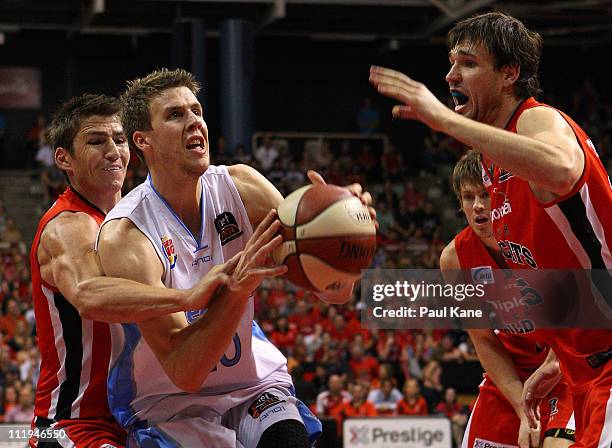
136 100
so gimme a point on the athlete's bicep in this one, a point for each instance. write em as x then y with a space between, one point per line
126 252
66 252
449 264
547 125
258 194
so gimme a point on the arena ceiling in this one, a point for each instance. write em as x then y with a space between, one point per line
565 22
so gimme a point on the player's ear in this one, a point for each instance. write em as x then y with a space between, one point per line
63 159
141 141
511 73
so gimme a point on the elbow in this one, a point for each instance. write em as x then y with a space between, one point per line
189 384
188 379
564 183
82 302
565 176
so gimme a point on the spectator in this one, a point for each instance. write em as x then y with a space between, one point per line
334 397
449 351
431 220
8 322
11 233
432 388
10 399
241 155
392 163
457 414
412 403
368 118
23 411
385 398
363 367
267 153
359 406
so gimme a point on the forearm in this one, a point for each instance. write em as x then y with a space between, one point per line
191 353
118 300
523 156
499 366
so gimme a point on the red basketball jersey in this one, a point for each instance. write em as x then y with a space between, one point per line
526 351
75 352
570 232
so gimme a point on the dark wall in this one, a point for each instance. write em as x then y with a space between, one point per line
300 84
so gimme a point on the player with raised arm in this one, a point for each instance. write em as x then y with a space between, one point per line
543 173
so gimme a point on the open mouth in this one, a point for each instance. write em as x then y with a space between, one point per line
481 220
459 98
195 144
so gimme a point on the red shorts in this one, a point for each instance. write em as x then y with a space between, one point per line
494 423
594 422
90 433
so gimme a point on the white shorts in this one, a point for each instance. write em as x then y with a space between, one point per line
239 427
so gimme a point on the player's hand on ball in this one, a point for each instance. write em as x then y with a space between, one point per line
255 263
356 189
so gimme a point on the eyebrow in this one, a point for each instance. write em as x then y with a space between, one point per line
173 108
101 133
461 53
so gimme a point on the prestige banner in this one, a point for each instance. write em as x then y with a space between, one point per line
400 432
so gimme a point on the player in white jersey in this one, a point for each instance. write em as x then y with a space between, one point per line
186 218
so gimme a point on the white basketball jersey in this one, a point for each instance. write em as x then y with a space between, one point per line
137 382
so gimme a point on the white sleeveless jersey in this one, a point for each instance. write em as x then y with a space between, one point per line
137 382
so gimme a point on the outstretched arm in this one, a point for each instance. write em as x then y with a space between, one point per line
68 262
545 143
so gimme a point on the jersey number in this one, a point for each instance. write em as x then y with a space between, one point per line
229 362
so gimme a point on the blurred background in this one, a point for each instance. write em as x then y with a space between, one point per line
285 90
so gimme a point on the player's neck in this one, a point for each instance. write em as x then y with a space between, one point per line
105 200
505 111
183 196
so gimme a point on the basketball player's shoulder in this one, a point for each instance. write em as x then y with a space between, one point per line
66 229
257 193
449 258
542 117
245 174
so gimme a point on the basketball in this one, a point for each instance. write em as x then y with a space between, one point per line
328 238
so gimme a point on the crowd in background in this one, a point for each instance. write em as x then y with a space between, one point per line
339 368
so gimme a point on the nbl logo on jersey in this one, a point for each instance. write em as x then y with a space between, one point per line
482 275
169 250
263 402
227 227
